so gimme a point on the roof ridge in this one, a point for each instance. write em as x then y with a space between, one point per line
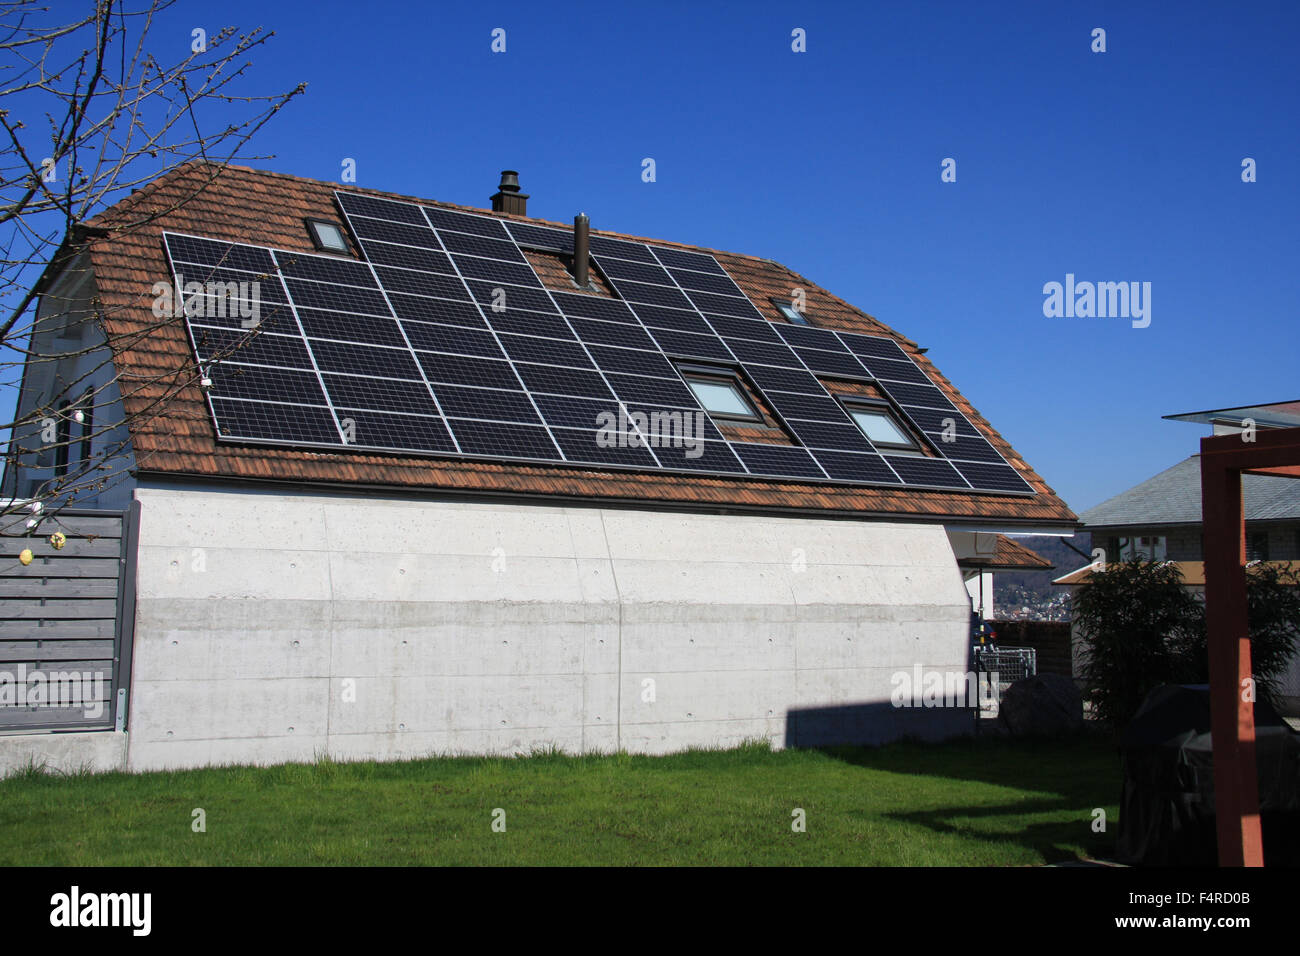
480 211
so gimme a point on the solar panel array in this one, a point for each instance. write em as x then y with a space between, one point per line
446 342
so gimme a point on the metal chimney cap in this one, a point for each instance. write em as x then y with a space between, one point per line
509 181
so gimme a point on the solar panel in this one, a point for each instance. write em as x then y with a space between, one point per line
444 341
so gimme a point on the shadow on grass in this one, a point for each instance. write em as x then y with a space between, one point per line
1068 777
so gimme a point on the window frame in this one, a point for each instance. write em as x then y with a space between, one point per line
312 222
63 439
783 304
1257 544
85 440
722 376
850 403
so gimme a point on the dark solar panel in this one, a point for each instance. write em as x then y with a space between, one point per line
833 364
539 237
895 371
356 391
479 246
367 429
926 471
592 331
501 297
254 348
531 348
636 272
410 282
680 259
264 421
443 219
653 294
591 307
764 353
493 270
446 343
595 447
702 282
456 339
211 252
690 345
854 467
520 322
422 309
504 440
778 460
709 303
730 327
395 232
460 370
600 246
632 361
678 320
348 358
355 205
487 404
408 257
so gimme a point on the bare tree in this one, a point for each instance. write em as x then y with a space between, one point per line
88 113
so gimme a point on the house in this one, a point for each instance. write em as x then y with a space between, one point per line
1160 519
995 552
402 477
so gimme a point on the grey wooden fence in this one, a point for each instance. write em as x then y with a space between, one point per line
66 620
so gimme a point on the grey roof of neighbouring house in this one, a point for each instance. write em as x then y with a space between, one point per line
1174 497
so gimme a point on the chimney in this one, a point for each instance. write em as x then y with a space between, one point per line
581 225
508 197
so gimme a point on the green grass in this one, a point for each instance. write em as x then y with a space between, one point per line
971 802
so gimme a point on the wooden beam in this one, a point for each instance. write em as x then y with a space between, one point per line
1281 471
1232 715
1271 447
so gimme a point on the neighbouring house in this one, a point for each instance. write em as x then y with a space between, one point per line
996 552
378 476
1160 518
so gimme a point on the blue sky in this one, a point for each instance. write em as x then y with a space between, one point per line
1115 166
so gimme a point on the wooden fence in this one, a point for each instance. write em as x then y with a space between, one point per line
66 620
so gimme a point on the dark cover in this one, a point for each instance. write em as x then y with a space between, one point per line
1167 803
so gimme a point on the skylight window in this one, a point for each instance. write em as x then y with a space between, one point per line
327 235
881 427
789 312
720 394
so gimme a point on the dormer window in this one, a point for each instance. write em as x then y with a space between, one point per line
720 394
328 236
789 312
882 428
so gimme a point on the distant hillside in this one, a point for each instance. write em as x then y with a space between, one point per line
1016 591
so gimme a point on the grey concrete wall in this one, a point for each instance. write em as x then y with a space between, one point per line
276 627
63 753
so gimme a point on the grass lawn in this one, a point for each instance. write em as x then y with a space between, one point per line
971 802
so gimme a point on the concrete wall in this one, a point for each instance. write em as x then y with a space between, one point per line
63 753
276 627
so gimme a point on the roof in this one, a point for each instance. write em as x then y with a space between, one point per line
263 208
1008 555
1276 414
1193 572
1173 497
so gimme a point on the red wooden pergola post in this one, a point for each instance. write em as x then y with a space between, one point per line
1232 717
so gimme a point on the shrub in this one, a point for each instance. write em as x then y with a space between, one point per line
1273 615
1141 627
1137 622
